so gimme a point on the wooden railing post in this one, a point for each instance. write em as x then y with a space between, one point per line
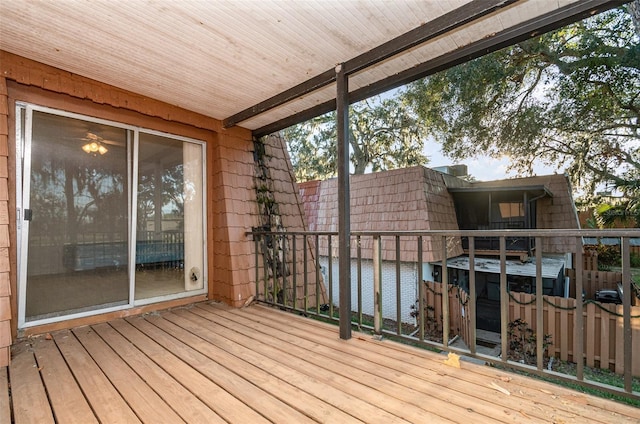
626 313
445 295
539 307
377 284
578 349
504 301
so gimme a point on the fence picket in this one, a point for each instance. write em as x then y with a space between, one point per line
619 366
590 329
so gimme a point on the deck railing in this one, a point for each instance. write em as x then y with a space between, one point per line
391 295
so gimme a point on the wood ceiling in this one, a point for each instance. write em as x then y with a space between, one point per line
262 64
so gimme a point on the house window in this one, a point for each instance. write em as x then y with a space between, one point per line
511 210
507 215
110 216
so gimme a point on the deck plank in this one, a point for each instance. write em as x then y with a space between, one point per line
216 397
308 386
5 405
487 403
553 401
144 401
68 403
104 399
252 370
188 406
30 403
261 400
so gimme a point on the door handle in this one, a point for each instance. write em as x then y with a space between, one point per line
27 214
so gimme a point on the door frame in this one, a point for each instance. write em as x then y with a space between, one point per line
24 129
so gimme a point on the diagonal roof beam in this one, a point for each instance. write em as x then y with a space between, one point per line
425 32
529 29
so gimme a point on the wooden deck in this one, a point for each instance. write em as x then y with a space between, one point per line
211 364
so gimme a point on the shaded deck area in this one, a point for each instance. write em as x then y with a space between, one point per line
211 364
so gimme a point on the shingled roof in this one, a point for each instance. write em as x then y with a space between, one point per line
408 199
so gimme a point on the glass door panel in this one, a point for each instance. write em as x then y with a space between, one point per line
75 217
169 221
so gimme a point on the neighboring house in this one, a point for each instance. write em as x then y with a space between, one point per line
422 199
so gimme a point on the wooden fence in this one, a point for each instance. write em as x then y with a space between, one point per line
592 281
590 260
603 328
458 310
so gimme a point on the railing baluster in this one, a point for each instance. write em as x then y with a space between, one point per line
265 268
472 295
256 243
330 273
284 269
420 292
504 301
626 313
317 237
398 289
305 242
274 267
359 254
294 270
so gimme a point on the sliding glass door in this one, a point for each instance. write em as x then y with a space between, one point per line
84 248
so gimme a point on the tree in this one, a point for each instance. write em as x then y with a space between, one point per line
570 98
383 134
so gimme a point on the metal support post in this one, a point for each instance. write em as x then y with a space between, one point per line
344 212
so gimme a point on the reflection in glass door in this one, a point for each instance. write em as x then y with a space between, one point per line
75 215
169 248
83 246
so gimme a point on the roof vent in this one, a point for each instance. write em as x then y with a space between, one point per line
453 170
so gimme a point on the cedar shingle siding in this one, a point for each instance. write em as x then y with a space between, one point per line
410 199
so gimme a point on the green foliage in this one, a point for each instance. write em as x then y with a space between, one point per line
383 134
608 256
522 342
569 98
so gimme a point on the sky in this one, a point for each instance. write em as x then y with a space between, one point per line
482 168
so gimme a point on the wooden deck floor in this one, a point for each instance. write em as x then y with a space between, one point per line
211 364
